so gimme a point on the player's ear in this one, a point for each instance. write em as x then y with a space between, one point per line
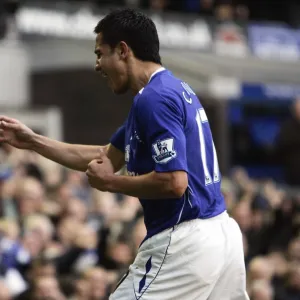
123 50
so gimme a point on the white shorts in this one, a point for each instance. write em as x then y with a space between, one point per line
195 260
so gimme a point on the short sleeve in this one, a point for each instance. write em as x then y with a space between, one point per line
118 138
165 134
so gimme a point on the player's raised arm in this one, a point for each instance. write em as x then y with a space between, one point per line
75 157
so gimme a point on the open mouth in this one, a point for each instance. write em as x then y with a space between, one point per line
104 74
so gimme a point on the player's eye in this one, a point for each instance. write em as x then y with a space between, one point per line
98 54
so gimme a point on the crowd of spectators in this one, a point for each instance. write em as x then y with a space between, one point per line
287 11
268 10
60 239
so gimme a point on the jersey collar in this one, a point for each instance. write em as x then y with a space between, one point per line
156 72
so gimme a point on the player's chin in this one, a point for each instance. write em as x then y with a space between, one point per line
119 90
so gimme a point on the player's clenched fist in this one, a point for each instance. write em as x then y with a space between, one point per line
15 133
99 172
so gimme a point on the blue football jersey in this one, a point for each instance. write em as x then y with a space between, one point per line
167 130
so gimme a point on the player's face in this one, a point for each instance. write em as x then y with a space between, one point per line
111 63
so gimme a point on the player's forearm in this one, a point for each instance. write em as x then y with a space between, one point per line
149 186
75 157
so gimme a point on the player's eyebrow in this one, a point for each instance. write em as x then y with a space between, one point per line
97 48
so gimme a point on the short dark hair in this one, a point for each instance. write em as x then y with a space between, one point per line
136 29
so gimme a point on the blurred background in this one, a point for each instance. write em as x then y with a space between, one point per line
59 239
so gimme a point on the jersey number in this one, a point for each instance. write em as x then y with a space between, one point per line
202 120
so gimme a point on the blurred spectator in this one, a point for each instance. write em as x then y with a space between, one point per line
289 146
78 185
120 255
261 290
156 5
293 251
47 287
260 269
242 11
291 290
86 239
76 210
224 10
97 281
67 230
29 196
82 289
280 265
204 7
242 214
41 267
4 292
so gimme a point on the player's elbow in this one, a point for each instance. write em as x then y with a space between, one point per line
180 184
177 184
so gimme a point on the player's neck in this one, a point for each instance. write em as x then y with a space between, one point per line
141 73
